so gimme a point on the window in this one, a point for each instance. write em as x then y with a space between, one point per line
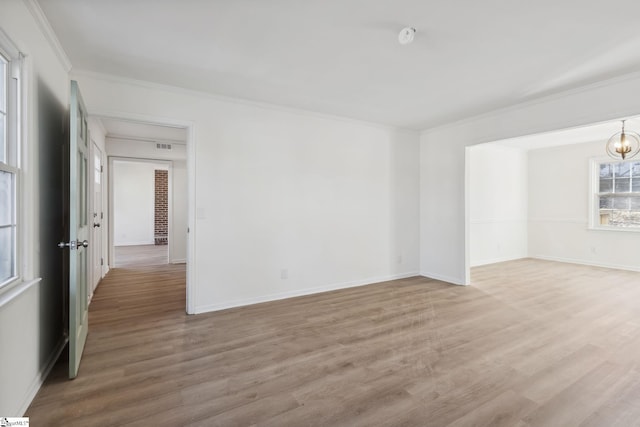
617 195
9 160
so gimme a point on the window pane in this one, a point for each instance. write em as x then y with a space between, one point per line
622 169
635 184
606 202
6 198
7 251
623 185
606 185
621 202
635 169
606 170
635 203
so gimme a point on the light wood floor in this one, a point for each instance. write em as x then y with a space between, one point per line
132 256
531 343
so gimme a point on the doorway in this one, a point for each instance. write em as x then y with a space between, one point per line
151 142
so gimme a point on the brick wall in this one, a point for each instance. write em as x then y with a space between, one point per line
161 229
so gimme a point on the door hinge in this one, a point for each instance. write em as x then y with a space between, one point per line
101 169
101 261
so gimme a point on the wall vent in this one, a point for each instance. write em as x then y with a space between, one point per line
163 146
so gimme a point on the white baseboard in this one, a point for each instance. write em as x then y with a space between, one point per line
497 260
301 292
443 278
136 243
178 261
589 263
42 375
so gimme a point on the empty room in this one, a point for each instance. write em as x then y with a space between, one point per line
279 213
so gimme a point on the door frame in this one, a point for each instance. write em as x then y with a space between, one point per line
95 149
191 187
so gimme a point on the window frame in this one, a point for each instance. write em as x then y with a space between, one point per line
595 194
13 146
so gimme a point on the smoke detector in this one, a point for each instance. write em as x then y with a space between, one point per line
406 35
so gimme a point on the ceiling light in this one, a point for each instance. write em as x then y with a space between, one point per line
623 144
407 35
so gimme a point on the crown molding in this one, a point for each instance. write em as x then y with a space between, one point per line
241 101
48 33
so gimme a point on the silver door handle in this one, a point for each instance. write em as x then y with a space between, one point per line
73 244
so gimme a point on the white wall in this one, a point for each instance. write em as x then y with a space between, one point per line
497 185
133 202
559 211
31 322
285 202
444 232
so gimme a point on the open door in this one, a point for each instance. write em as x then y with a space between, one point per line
78 229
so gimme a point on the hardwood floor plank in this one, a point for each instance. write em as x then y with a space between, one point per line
529 343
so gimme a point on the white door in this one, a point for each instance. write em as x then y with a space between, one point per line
98 216
78 229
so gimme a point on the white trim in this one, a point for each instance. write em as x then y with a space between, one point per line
229 99
467 215
12 291
178 261
192 279
579 221
138 243
498 221
497 260
589 263
37 382
444 278
615 229
48 33
301 292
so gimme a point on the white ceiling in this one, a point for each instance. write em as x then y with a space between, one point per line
342 57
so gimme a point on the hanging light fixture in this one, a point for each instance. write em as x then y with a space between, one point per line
623 144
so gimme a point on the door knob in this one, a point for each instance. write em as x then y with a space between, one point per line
96 224
74 244
71 245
